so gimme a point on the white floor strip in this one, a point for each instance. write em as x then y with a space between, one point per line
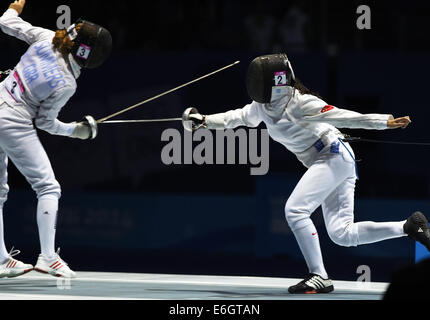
23 296
160 285
207 280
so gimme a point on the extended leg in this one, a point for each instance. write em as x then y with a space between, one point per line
338 211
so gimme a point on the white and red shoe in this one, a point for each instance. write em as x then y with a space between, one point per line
54 266
12 268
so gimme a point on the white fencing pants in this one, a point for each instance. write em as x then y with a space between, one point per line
330 182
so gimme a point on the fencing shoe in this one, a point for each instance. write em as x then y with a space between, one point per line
417 228
313 283
13 268
54 266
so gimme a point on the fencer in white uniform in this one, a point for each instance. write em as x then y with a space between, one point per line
307 126
31 97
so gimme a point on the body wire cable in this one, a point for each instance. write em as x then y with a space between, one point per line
358 139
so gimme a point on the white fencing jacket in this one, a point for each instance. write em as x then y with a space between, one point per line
43 81
298 121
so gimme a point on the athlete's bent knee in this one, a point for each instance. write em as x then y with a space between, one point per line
51 189
345 237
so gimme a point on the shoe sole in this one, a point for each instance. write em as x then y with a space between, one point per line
418 217
54 275
46 272
323 291
19 274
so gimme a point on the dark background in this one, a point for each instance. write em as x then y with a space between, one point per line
124 210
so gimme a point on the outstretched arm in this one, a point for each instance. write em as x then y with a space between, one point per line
247 116
13 25
342 118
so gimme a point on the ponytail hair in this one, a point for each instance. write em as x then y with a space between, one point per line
304 90
62 41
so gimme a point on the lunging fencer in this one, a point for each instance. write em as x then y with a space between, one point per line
32 96
307 126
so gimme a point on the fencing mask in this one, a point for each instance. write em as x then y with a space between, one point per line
92 44
268 77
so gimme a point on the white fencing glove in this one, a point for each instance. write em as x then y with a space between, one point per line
86 129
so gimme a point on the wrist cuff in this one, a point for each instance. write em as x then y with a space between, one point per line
215 121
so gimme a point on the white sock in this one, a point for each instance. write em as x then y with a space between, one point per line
47 208
370 232
309 244
4 255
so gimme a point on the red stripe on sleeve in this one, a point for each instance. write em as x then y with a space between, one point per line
327 108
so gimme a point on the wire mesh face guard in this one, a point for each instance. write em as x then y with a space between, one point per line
268 76
92 44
